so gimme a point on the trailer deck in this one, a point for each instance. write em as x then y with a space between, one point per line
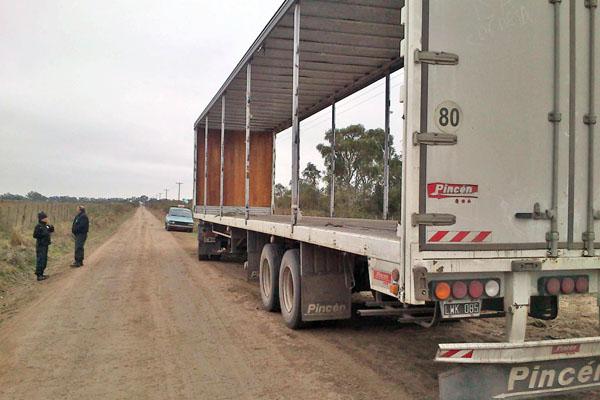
367 237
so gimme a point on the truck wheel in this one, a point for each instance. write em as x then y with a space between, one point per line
268 276
289 289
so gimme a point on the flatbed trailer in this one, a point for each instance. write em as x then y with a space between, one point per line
499 192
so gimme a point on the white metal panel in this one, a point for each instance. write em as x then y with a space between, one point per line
412 18
512 353
502 90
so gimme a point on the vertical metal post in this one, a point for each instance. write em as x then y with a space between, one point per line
205 163
590 120
516 305
222 155
248 116
572 121
555 117
386 149
295 119
332 165
273 174
195 188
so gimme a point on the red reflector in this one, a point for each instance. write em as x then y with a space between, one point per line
581 285
475 289
553 286
567 285
459 290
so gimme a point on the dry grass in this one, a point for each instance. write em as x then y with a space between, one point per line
17 246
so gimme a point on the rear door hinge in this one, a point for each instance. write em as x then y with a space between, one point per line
435 57
434 139
433 219
589 119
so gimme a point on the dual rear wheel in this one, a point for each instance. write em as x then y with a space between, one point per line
279 278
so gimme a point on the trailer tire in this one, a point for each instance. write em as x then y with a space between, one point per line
268 276
289 289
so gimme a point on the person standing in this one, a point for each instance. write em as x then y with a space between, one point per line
41 234
81 225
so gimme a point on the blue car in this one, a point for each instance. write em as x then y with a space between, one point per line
179 219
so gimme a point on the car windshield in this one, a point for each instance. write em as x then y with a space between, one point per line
180 212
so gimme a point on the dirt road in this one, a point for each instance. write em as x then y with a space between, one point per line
145 320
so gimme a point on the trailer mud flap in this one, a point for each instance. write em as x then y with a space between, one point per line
519 370
326 283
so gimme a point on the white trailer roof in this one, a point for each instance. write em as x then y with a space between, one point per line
345 45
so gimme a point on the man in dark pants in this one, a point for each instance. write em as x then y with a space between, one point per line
81 225
42 233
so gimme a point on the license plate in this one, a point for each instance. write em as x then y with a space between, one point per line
209 239
462 309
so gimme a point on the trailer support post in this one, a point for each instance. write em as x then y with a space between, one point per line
555 117
386 149
221 183
195 189
296 119
332 165
516 305
205 163
273 174
248 117
590 120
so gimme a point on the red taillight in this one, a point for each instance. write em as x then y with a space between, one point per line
475 289
581 284
553 286
567 285
442 290
459 289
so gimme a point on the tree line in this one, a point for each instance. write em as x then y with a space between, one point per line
358 176
35 196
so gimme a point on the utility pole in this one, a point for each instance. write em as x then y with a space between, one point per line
179 190
166 194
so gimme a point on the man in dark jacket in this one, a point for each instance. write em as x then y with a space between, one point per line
42 233
81 225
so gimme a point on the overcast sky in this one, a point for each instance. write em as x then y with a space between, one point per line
98 98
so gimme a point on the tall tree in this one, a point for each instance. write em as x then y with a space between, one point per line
311 175
359 169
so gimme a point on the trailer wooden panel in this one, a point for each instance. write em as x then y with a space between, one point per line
214 166
261 160
261 174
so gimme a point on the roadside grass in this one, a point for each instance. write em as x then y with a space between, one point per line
17 246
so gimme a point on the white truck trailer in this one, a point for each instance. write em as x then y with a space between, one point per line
500 200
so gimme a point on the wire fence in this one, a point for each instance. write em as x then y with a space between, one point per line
19 215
